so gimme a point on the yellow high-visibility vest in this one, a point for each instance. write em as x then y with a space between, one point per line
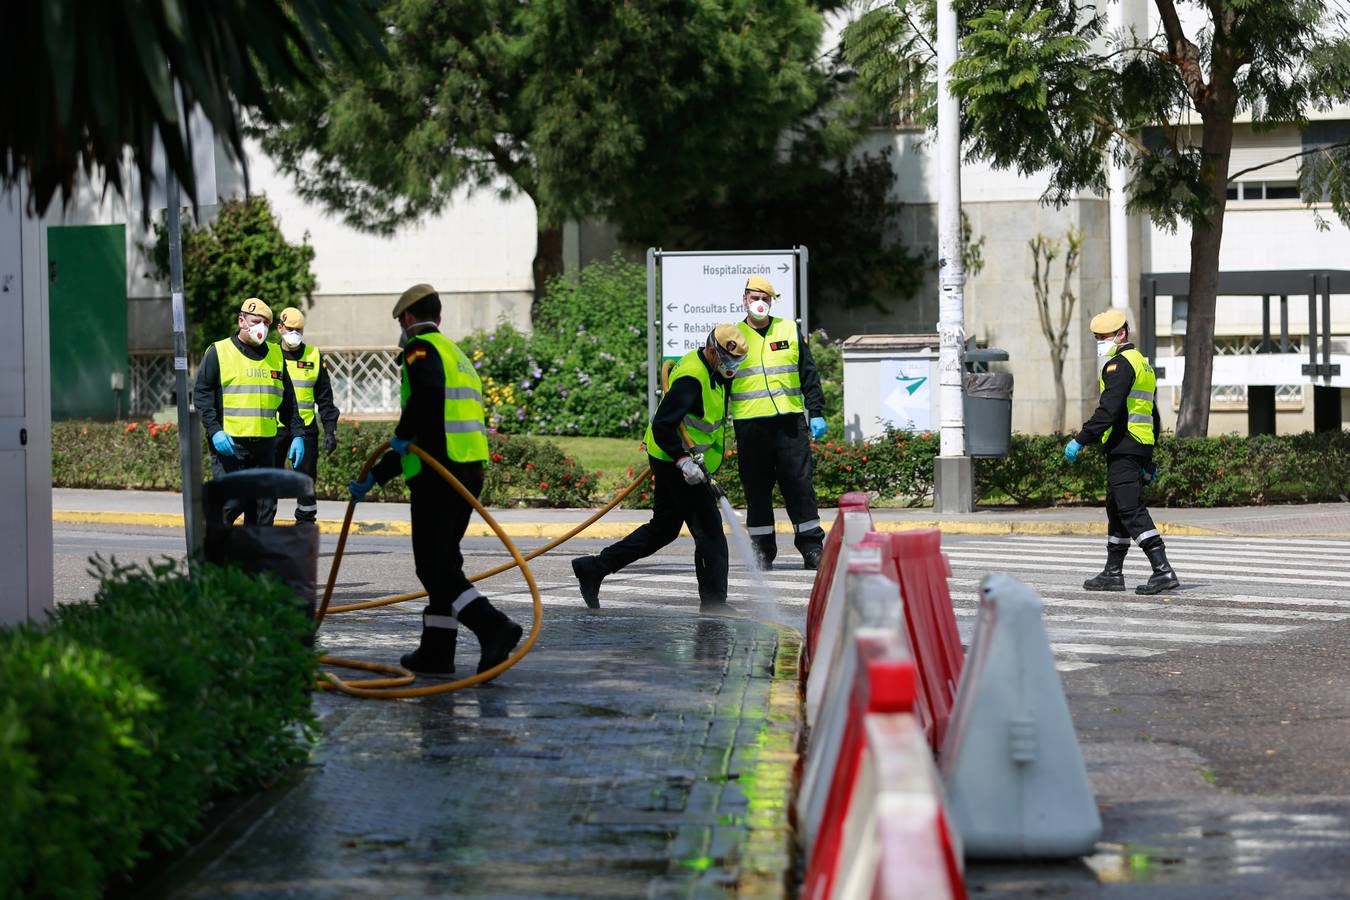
707 432
465 433
304 372
250 390
769 382
1139 403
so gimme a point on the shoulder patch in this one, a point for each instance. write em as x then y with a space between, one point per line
416 354
1111 367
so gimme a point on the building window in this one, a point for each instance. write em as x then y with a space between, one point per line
1250 191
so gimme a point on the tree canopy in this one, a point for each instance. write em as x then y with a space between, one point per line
82 84
1046 88
619 111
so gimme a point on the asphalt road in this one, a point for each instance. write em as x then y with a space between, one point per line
1215 722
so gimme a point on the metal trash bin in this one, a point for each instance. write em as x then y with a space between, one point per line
987 399
289 553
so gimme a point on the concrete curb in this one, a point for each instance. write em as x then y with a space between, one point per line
615 530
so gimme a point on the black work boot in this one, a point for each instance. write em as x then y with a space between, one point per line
1111 578
811 558
435 655
766 548
715 606
1163 578
589 576
497 635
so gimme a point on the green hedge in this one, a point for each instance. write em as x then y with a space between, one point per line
123 719
1217 471
144 456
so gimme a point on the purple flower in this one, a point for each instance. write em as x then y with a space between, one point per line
525 384
478 365
538 372
520 414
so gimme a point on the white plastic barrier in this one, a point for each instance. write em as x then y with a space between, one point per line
832 635
1015 779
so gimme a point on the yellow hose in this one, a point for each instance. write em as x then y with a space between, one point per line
393 688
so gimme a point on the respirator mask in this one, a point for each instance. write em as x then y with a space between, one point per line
292 339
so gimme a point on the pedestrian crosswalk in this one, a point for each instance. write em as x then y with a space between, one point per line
1233 590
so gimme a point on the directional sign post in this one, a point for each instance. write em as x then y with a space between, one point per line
691 292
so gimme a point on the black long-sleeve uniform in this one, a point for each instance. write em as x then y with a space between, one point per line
439 514
326 414
250 452
676 502
1126 515
777 450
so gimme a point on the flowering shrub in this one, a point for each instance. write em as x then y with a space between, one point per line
506 364
898 465
144 456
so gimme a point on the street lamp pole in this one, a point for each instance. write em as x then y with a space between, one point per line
953 485
189 451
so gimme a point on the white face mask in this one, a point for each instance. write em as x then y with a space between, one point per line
292 339
256 334
1106 348
759 309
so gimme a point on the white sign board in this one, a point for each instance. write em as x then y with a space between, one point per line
907 394
702 290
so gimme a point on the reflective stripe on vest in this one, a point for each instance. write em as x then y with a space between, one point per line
707 432
1139 402
250 390
465 433
769 382
303 380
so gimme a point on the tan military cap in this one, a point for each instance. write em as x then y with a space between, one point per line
1108 322
292 317
760 283
256 307
411 296
729 339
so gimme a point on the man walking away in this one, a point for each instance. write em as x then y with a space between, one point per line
1127 425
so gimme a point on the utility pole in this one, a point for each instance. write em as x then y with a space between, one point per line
953 482
189 450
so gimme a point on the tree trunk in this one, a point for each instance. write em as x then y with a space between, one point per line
1057 362
1206 238
548 261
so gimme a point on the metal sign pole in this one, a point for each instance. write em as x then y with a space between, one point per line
653 329
186 430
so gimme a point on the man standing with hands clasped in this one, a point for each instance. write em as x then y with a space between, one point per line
775 398
241 383
1126 424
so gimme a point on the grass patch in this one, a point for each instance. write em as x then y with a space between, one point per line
611 456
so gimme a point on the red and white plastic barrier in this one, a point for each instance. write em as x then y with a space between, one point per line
882 831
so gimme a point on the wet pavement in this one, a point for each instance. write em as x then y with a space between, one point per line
628 755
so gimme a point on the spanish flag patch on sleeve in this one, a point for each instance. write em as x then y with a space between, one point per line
415 355
1111 368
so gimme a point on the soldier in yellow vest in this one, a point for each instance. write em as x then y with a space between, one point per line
241 384
442 398
1126 424
697 399
314 395
775 400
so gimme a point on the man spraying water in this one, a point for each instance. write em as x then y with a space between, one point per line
697 399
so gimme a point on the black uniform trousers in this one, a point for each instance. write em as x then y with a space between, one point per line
1126 515
440 517
677 503
249 453
777 450
307 507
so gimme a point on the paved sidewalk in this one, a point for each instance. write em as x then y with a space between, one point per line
630 755
73 506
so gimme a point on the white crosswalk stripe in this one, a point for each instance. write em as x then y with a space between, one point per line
1231 591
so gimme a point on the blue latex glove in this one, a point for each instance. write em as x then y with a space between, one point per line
1071 450
400 445
296 453
818 428
223 443
1150 472
359 489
